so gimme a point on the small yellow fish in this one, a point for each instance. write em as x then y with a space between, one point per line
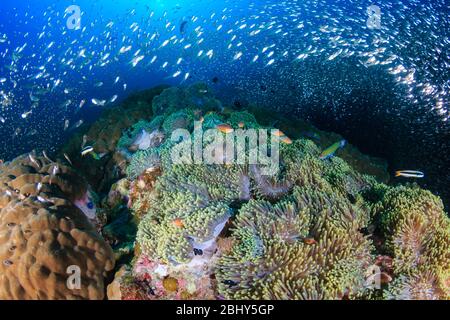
331 150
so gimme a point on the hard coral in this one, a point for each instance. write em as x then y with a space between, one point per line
44 237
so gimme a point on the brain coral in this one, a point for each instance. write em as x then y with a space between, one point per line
44 237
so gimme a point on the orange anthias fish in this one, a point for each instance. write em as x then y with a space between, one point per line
241 124
278 133
224 128
178 222
283 138
286 140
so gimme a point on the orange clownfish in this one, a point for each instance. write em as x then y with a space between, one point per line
224 128
309 241
286 140
178 222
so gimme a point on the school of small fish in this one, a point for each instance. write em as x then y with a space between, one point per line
50 75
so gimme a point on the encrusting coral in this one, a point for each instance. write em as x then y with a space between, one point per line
44 237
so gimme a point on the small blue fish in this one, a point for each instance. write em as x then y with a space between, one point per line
409 174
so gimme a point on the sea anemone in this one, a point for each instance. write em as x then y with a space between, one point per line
308 247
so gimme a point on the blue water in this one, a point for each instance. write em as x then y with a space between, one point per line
403 121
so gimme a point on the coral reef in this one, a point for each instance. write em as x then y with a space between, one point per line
44 237
104 136
150 280
196 96
417 237
142 161
308 247
314 229
297 128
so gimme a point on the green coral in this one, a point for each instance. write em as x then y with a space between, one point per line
417 234
141 161
212 120
307 232
272 260
181 194
245 118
